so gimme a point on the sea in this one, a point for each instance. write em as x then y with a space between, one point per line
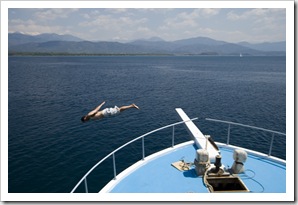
50 149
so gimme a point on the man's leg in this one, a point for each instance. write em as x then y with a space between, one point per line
127 107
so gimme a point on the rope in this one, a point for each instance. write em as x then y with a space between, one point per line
206 183
251 177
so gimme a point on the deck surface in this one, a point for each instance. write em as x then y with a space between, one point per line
157 175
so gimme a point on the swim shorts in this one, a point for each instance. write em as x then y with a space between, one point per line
111 111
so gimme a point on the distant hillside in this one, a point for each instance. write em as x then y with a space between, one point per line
199 40
82 47
19 38
275 46
53 43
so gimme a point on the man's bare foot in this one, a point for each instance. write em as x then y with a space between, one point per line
134 105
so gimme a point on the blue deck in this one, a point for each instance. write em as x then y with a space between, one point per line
157 175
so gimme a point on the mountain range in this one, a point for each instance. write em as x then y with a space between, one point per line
68 44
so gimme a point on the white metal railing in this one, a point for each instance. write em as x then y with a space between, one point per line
84 178
248 126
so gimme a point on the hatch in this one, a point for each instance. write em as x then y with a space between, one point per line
226 184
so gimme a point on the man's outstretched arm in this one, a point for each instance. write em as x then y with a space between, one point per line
93 112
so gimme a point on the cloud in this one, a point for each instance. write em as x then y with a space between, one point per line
51 14
188 23
202 13
210 12
119 10
261 24
191 18
109 23
255 14
30 27
169 24
37 21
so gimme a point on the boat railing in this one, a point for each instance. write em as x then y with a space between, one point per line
84 178
248 126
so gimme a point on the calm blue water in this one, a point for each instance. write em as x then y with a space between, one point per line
50 149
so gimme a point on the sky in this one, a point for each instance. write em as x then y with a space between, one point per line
234 25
